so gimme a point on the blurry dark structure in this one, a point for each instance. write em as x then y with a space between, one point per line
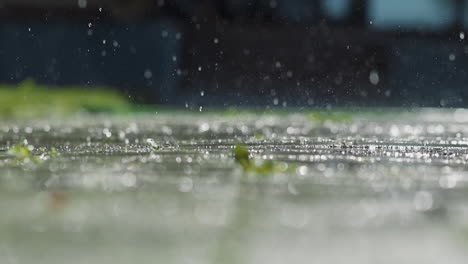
235 52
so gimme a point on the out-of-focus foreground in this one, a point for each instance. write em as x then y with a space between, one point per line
365 187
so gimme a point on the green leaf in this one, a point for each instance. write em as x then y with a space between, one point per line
242 156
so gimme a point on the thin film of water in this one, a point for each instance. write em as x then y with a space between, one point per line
167 189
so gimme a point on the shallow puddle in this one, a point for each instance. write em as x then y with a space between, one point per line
375 188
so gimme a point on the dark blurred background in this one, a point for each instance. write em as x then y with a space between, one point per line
244 52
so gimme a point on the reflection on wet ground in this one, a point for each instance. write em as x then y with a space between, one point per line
377 188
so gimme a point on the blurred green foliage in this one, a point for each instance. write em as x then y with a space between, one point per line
262 167
29 99
24 153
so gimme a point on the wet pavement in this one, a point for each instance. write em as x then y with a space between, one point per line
380 186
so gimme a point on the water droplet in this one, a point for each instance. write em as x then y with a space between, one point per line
107 132
128 180
122 135
394 131
462 35
185 184
374 77
204 127
151 142
82 3
273 4
301 170
148 74
452 57
423 201
166 130
448 181
292 189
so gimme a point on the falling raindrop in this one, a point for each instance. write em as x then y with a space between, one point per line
82 3
374 77
107 132
273 4
148 74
